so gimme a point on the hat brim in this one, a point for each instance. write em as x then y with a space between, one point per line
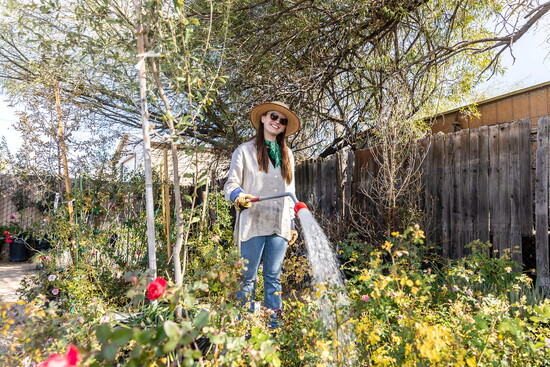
293 121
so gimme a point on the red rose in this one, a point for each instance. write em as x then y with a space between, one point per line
57 360
156 289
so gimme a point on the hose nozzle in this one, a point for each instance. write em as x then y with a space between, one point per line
299 206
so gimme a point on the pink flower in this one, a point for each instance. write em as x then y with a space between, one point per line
52 277
9 239
547 341
454 288
94 299
400 317
6 233
138 253
156 289
55 291
365 298
68 360
12 217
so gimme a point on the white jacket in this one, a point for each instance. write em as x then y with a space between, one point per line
267 217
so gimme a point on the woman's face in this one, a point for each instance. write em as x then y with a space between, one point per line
274 123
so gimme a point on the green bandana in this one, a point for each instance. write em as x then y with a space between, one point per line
274 152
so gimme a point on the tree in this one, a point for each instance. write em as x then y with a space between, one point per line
325 58
331 59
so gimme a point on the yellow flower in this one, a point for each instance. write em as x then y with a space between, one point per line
364 275
387 246
418 233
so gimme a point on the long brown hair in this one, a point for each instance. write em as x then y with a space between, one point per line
263 156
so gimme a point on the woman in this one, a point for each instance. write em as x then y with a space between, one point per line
264 166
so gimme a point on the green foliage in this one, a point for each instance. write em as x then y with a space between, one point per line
407 314
400 311
485 272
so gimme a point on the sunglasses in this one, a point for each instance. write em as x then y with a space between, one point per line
275 116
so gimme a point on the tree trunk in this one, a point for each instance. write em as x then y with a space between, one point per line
178 272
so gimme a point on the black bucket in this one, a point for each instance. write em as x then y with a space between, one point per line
19 251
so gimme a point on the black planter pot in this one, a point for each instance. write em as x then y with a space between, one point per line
19 250
42 244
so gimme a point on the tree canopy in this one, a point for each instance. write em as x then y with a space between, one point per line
332 60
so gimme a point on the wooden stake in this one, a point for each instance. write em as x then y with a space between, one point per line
61 136
167 205
149 206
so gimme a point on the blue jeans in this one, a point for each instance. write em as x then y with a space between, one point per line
271 250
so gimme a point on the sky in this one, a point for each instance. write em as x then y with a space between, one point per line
528 64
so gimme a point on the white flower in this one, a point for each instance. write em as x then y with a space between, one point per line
52 277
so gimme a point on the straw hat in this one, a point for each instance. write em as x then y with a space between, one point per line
293 120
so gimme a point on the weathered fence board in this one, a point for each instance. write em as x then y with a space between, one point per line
514 184
473 183
494 173
447 200
438 162
483 185
525 174
504 157
541 202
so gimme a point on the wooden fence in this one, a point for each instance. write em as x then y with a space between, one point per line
476 184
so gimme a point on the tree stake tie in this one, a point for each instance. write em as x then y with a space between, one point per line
143 56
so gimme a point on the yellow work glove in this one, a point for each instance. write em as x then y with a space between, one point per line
293 236
242 201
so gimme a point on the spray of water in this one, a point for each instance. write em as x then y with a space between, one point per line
321 257
326 273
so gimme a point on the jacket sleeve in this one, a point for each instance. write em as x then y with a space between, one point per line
232 187
292 187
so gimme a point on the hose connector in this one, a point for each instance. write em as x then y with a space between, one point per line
299 206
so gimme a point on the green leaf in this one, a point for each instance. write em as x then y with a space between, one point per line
172 329
109 352
121 336
170 345
143 337
201 320
535 319
188 300
103 333
276 362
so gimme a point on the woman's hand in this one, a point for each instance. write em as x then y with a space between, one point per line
293 236
243 201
